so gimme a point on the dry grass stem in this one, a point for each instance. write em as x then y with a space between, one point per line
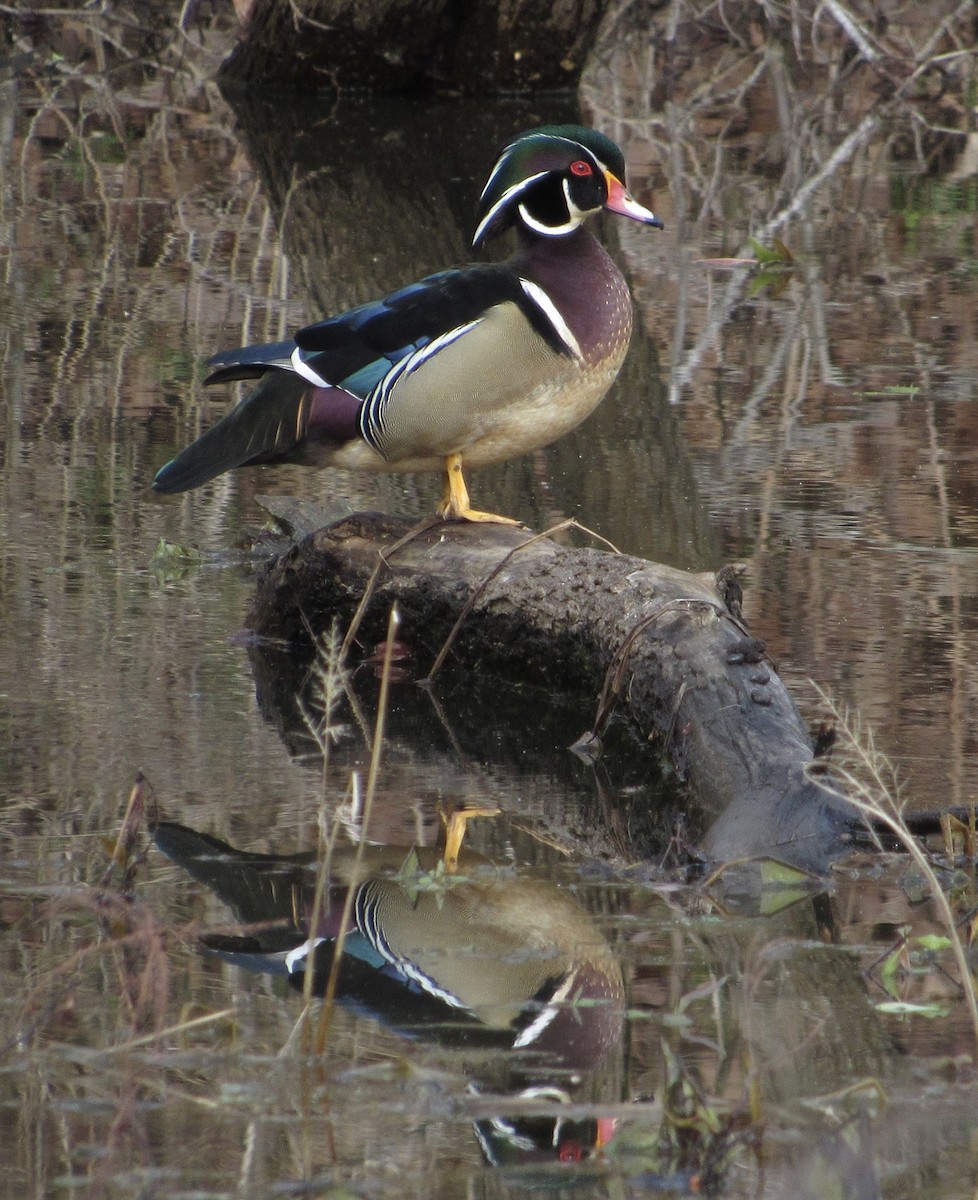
869 782
170 1031
329 685
325 1015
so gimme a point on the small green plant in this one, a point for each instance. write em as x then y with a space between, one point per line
862 775
685 1143
776 266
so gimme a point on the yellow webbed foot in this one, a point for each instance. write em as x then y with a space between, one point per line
473 514
455 497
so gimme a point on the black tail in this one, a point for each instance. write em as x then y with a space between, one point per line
258 887
266 425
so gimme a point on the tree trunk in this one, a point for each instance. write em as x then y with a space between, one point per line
679 661
481 46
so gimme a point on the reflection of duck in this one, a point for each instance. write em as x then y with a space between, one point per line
477 364
481 960
507 1141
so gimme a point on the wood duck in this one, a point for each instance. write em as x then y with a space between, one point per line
473 365
485 960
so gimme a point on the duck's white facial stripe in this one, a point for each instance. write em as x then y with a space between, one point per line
503 160
552 313
575 217
504 199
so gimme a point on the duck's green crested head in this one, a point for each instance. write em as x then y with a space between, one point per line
551 179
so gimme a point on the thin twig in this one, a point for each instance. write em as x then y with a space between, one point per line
383 560
568 523
170 1031
853 30
329 997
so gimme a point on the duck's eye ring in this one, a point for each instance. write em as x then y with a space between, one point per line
581 168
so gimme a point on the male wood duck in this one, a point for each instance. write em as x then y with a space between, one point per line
473 365
482 960
511 968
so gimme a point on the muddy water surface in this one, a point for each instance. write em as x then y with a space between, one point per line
815 420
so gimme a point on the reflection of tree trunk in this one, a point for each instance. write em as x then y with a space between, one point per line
391 45
691 676
372 194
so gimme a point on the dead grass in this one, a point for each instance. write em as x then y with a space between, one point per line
862 775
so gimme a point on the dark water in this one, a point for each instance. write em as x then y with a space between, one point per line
817 424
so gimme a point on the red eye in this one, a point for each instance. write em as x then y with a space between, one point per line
571 1152
581 168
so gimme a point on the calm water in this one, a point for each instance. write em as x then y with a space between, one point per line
817 423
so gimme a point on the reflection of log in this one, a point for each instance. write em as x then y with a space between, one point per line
690 674
390 45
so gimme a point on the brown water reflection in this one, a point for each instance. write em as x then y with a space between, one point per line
829 420
821 430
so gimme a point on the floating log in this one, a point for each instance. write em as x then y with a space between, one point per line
667 648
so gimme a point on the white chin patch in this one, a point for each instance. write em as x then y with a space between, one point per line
574 215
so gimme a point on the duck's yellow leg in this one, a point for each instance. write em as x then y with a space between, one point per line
455 824
455 497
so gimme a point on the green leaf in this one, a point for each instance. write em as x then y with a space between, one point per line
934 941
172 552
904 1008
888 971
775 254
172 562
411 864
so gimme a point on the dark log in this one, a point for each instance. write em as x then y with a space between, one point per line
482 46
686 671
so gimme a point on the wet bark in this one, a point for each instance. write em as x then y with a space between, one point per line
481 46
686 671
